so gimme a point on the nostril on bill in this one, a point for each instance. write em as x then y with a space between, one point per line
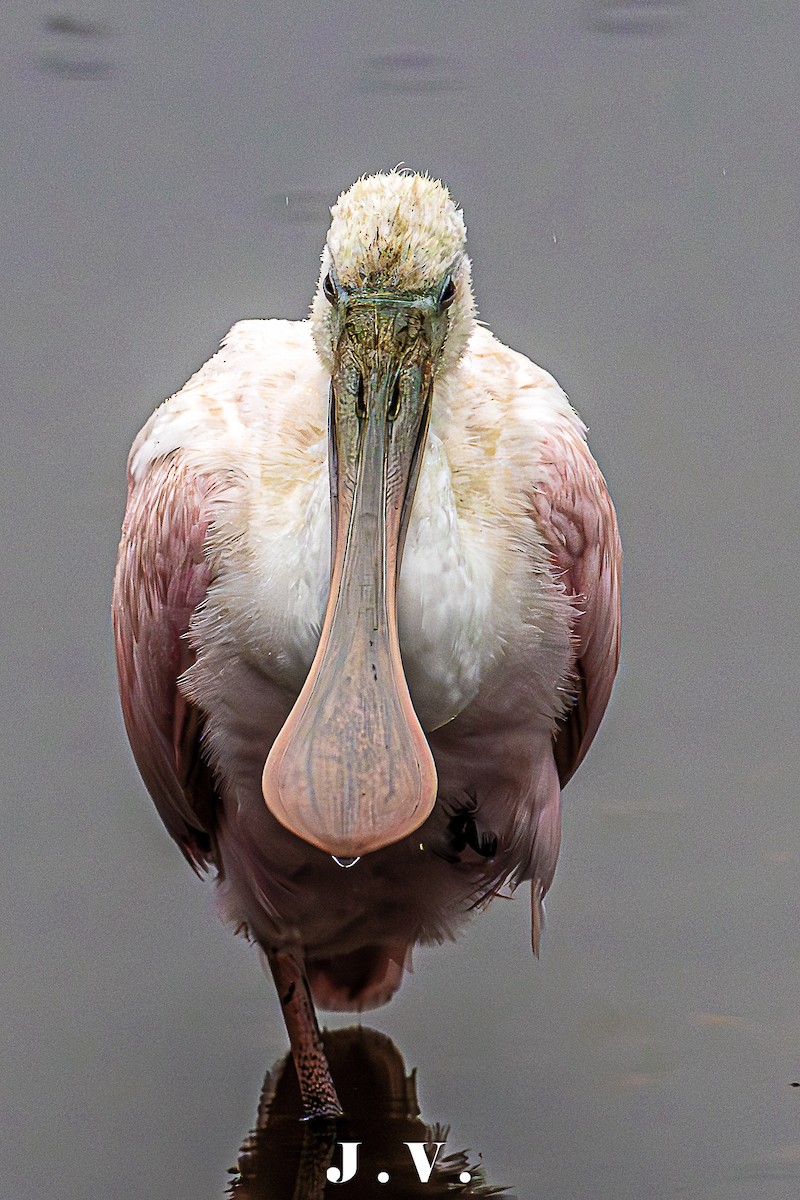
361 404
393 411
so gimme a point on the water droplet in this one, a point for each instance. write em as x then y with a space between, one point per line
303 206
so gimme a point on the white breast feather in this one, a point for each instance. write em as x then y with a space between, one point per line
256 416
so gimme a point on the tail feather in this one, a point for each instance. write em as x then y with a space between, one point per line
537 916
545 845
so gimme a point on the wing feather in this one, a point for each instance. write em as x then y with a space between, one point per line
575 515
162 576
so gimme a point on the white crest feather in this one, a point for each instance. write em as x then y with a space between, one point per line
398 230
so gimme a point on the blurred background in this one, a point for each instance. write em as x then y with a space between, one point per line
629 176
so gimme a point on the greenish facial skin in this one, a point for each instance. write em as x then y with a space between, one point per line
351 770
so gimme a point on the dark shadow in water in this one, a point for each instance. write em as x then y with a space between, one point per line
631 17
411 71
69 32
285 1158
73 68
77 26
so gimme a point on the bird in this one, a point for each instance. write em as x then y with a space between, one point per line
366 613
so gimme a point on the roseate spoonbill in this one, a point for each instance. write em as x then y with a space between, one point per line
367 614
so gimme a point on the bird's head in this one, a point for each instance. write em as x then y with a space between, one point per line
351 769
396 244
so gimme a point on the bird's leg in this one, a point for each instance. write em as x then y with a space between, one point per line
313 1073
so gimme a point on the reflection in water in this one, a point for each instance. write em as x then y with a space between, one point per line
285 1158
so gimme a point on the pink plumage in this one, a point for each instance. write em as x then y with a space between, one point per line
366 607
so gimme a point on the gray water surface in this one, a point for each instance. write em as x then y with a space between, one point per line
629 174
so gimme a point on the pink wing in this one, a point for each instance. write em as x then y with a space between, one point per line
162 576
576 517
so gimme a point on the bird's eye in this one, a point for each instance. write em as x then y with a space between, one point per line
329 289
448 295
